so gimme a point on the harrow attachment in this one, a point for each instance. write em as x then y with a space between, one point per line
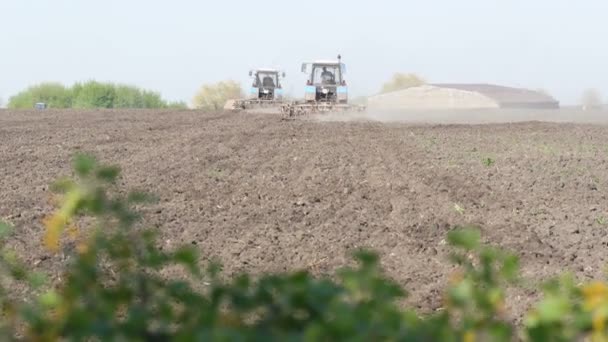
295 109
255 103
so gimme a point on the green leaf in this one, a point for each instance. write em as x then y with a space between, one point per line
18 272
510 267
366 258
462 293
214 268
188 257
488 161
500 332
62 185
137 197
9 256
5 229
108 173
50 299
84 164
467 238
553 309
36 279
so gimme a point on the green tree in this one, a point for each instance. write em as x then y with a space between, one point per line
128 97
402 81
94 94
90 94
214 96
54 95
152 99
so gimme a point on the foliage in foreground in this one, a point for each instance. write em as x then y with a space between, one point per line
90 94
113 288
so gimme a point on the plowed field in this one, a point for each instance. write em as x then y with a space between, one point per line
262 194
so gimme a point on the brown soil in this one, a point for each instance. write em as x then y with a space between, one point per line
262 194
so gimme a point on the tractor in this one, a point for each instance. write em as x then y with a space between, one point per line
325 81
266 85
266 90
325 90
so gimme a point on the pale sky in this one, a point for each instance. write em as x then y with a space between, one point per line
176 46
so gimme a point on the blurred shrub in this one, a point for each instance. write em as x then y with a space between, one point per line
402 81
94 95
113 289
128 97
214 96
91 94
178 105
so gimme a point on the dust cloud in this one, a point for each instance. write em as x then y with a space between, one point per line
469 116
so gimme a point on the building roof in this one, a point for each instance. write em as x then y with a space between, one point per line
501 94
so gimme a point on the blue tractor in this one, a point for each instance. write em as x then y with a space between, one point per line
326 82
266 84
325 91
266 90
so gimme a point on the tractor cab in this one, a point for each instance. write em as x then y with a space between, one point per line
326 81
266 84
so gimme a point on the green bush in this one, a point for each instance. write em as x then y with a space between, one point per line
112 288
178 105
94 95
90 94
128 97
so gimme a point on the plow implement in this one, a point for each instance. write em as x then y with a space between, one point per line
255 104
295 109
326 91
266 91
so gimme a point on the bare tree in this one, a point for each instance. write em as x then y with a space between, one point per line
402 81
214 96
591 99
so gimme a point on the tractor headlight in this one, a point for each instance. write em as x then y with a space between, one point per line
325 90
265 91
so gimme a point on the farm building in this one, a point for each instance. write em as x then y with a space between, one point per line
462 96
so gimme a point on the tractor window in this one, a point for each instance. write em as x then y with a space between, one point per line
326 74
267 79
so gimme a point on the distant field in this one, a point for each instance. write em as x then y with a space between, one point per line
268 195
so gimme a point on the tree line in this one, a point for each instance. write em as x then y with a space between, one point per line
211 97
91 94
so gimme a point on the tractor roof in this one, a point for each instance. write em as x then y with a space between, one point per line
326 62
267 70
